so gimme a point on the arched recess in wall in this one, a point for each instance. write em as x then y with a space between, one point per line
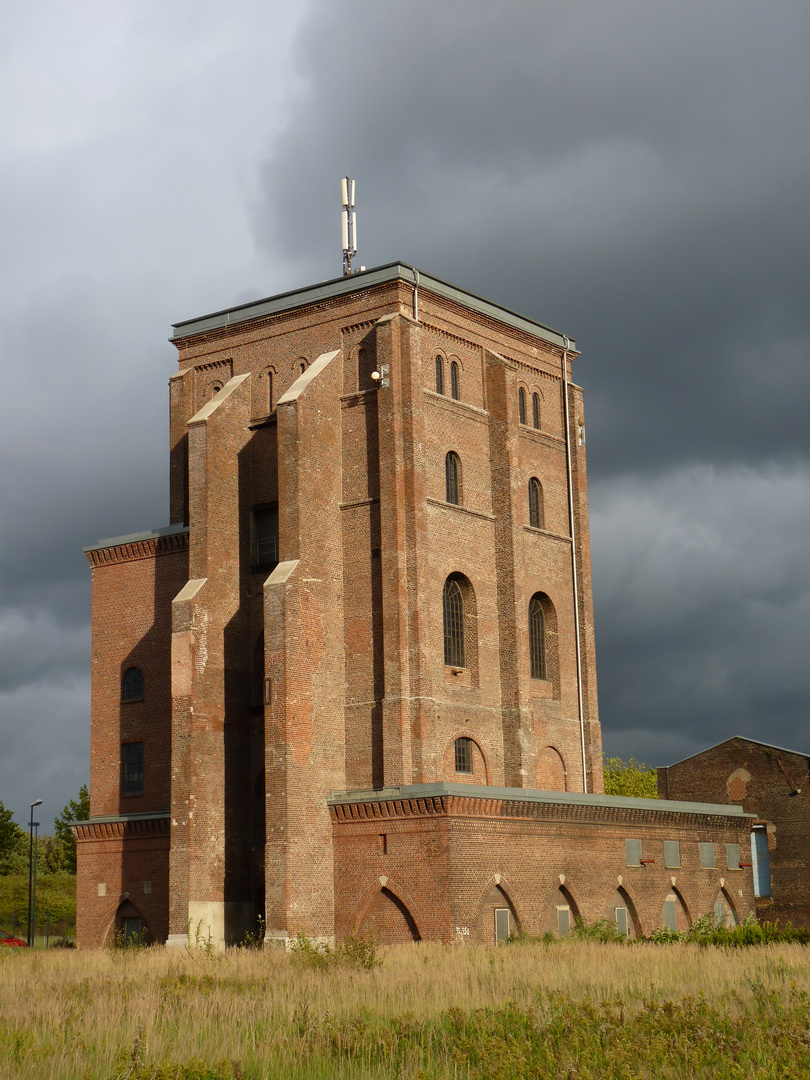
621 911
674 913
300 365
562 912
550 770
497 917
463 761
725 913
129 925
386 918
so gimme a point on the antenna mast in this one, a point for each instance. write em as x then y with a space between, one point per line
349 225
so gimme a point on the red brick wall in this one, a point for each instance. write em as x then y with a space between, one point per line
450 860
748 774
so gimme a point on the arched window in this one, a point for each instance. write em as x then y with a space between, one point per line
453 610
439 375
454 384
535 504
522 405
536 411
537 638
452 478
269 391
464 755
132 685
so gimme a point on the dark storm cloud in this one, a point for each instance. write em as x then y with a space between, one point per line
632 174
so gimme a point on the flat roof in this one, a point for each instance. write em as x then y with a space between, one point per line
569 798
133 538
366 279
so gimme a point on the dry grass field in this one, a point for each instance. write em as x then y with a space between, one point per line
575 1010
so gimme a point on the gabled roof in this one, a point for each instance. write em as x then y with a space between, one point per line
741 738
366 279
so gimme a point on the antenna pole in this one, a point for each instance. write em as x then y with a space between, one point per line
349 224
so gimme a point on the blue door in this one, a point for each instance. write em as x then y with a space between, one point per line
761 860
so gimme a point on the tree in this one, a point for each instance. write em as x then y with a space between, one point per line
630 778
12 840
74 811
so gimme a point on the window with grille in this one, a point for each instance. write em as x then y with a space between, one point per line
453 624
132 685
535 504
671 914
452 478
132 768
563 921
522 405
454 384
464 755
439 375
536 411
537 638
265 536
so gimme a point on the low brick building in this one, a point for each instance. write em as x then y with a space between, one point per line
773 785
375 580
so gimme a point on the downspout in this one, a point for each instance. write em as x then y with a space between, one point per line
572 528
415 294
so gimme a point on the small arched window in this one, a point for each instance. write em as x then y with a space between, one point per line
269 391
452 478
535 504
537 638
454 383
302 366
453 611
464 755
439 375
215 389
132 685
522 405
536 411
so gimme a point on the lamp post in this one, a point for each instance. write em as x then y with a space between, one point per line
32 873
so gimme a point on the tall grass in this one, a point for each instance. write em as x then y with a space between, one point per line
573 1010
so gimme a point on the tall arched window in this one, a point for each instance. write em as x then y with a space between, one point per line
522 405
537 638
269 391
464 755
536 411
454 384
535 504
439 375
452 478
453 611
132 685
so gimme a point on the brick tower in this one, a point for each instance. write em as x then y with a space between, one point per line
374 592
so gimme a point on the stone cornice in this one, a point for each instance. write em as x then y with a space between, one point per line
148 548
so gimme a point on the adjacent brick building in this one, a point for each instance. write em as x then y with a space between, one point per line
338 689
773 785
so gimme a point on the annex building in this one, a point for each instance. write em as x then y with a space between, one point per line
351 686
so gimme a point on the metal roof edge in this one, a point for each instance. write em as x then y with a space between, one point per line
569 798
108 819
743 738
133 538
364 279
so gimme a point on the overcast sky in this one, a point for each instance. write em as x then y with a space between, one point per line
633 174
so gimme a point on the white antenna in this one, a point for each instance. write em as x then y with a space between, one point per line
349 224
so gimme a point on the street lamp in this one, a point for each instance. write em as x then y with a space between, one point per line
32 873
